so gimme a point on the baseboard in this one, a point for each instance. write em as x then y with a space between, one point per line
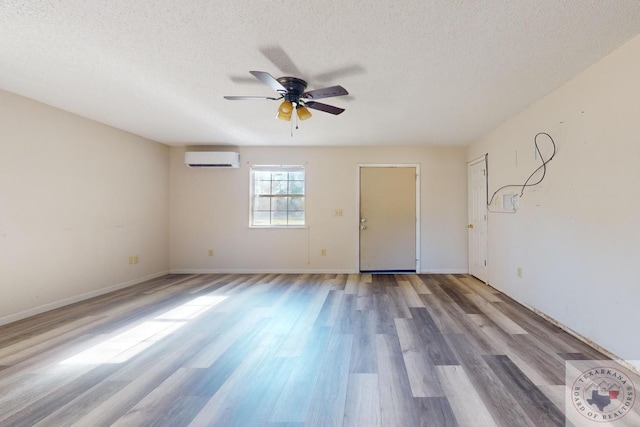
293 271
72 300
632 365
296 271
257 271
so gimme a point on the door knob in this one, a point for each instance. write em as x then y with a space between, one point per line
363 220
364 227
470 226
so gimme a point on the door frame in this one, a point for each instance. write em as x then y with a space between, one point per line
482 159
416 166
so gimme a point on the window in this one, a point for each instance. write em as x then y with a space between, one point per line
277 196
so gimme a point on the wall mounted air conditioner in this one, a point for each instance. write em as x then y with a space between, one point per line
212 159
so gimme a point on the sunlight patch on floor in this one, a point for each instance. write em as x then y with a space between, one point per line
133 341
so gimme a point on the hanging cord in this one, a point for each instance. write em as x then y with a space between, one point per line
295 113
291 122
543 166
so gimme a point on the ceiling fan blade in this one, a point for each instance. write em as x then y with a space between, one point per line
323 107
242 98
348 70
269 80
326 92
280 59
245 80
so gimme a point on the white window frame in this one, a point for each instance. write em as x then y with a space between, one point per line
252 195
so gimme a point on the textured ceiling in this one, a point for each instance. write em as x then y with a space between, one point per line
432 72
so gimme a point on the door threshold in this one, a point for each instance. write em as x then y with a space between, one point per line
388 271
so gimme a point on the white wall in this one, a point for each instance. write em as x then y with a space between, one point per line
210 210
576 236
77 198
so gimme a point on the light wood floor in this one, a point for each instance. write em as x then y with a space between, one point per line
290 350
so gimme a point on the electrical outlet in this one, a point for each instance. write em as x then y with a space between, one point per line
130 260
520 272
515 202
323 252
338 212
511 202
210 252
135 259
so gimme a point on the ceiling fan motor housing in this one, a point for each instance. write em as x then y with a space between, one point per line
295 88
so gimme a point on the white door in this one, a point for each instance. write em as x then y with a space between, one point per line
388 219
477 227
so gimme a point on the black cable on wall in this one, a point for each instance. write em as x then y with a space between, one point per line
526 184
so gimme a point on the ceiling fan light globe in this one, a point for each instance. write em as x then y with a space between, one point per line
284 116
286 108
303 113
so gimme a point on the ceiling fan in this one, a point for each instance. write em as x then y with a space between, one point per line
292 91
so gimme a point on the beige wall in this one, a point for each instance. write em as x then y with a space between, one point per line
210 210
77 198
576 236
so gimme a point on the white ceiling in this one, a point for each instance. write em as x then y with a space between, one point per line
432 72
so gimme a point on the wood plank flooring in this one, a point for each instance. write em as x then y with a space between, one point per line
291 350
